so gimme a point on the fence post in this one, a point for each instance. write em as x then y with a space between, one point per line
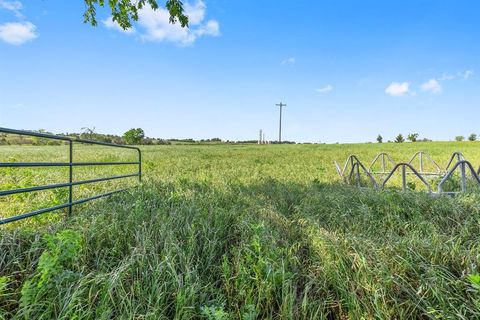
383 163
70 188
404 178
464 178
421 163
358 175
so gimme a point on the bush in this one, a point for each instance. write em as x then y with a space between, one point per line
412 137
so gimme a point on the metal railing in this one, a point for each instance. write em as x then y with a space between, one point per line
457 161
463 165
403 167
383 157
458 156
355 174
71 165
421 155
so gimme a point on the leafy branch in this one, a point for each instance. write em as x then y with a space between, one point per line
124 12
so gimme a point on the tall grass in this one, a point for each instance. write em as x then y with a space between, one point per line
248 233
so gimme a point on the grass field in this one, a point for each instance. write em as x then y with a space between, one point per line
239 232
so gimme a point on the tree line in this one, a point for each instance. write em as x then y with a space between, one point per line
414 137
134 136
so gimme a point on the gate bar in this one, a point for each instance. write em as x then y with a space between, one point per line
61 206
63 185
69 164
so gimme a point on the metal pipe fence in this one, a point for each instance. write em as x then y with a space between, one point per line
457 161
71 165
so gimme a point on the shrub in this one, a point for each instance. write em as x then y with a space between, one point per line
412 137
399 138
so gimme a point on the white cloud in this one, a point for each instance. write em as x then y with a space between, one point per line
13 6
290 60
446 77
467 74
396 89
212 28
155 26
325 89
460 75
17 33
110 24
432 86
195 12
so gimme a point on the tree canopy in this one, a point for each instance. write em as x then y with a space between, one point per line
399 138
124 12
413 137
134 136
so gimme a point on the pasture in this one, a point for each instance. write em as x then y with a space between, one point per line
238 232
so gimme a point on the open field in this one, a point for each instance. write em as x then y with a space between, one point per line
239 232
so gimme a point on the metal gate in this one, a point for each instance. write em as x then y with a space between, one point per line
71 165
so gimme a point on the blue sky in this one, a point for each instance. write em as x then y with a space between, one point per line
348 70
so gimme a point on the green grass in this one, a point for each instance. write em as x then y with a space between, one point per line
242 232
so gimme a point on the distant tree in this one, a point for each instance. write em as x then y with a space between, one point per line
379 139
412 137
124 12
459 138
472 137
134 136
399 138
88 132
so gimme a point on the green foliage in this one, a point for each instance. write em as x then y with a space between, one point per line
459 138
3 285
472 137
412 137
134 136
379 139
124 12
242 232
475 280
57 266
399 138
3 295
215 313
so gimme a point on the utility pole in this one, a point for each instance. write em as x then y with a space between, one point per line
281 105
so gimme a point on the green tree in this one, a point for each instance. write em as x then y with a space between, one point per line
472 137
379 139
459 138
124 12
134 136
399 138
413 137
